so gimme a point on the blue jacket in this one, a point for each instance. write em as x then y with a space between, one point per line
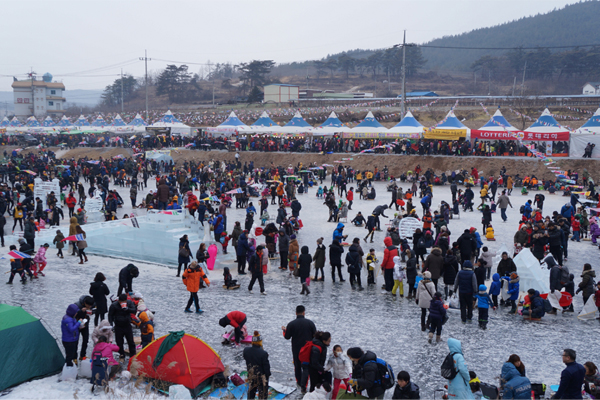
458 388
242 245
436 309
528 210
338 233
515 385
567 212
538 309
483 299
466 282
69 325
201 212
478 239
513 288
250 209
496 286
218 223
571 381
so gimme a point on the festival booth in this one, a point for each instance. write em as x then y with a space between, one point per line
5 123
547 129
64 122
119 126
231 126
330 127
588 133
497 128
138 124
81 122
175 125
408 128
297 126
449 129
264 125
48 122
369 128
33 125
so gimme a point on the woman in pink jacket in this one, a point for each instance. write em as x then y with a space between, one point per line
107 349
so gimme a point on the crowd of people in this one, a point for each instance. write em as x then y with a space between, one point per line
429 263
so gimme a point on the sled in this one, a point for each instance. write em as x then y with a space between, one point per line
230 337
345 244
558 299
232 287
212 252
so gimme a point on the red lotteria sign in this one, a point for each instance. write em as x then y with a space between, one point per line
519 135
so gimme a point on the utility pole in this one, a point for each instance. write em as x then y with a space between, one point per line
307 78
523 83
403 75
514 86
489 82
146 59
122 90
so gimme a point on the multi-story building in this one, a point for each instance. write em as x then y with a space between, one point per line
39 97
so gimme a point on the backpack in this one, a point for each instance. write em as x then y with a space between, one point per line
386 373
304 355
448 370
564 275
421 243
522 210
547 305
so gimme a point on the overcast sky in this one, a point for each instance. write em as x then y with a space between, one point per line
85 43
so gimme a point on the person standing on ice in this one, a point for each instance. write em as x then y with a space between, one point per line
119 315
300 330
458 388
191 279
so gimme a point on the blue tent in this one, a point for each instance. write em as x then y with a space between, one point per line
408 127
64 122
451 122
15 123
169 118
5 122
298 121
138 121
593 122
99 121
82 121
48 123
118 121
498 123
332 122
545 120
369 124
231 126
264 121
232 120
32 122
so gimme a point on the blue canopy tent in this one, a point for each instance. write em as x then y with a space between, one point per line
296 126
5 122
169 121
82 121
118 121
264 124
230 126
99 122
32 122
64 122
138 121
407 127
331 126
449 129
589 133
497 123
15 123
369 125
48 122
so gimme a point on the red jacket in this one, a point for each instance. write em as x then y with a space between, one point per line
236 318
388 254
576 225
71 202
350 195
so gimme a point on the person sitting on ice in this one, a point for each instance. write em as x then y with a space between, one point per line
359 220
173 205
533 306
228 278
489 233
320 192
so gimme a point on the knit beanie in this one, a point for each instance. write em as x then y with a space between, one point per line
256 339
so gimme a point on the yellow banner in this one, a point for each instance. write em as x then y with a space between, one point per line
445 134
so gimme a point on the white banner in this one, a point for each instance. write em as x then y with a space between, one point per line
42 189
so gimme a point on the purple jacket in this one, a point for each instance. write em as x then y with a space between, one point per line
594 230
69 325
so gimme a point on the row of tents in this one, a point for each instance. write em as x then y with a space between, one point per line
118 125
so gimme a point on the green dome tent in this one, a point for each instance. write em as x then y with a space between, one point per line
28 351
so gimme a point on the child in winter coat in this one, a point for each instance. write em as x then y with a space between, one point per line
320 192
264 260
264 218
488 257
39 261
570 288
513 290
319 260
398 277
483 304
341 365
489 233
103 329
576 225
69 327
59 243
228 278
224 241
107 349
371 260
495 288
437 312
480 271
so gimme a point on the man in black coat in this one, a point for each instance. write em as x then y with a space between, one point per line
466 244
300 330
258 367
119 315
126 276
365 373
296 207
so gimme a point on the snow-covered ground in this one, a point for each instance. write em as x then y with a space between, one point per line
388 326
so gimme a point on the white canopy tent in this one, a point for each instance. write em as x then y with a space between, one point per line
409 127
588 133
330 127
231 126
169 121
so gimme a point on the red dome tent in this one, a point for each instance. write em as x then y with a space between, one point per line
178 358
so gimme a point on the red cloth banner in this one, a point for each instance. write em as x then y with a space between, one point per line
523 135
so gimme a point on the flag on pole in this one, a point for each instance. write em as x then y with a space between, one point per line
74 238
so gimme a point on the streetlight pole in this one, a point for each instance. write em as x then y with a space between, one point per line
403 75
122 91
146 59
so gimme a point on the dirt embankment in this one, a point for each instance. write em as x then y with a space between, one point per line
395 163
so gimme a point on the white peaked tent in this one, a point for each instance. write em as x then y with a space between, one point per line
330 127
588 133
119 126
5 122
296 126
232 125
498 123
450 124
546 124
264 124
118 121
137 121
368 125
169 121
64 122
408 127
82 121
48 122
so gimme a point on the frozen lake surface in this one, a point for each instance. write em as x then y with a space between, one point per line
374 321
